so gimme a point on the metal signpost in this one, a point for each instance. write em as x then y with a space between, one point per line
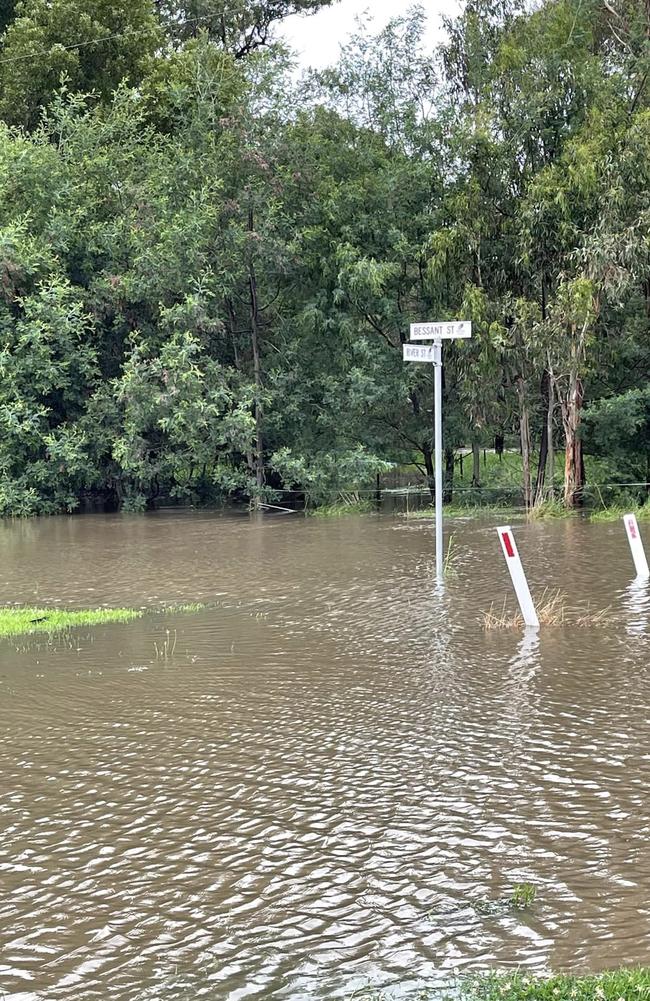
436 332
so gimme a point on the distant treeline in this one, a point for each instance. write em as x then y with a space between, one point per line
208 267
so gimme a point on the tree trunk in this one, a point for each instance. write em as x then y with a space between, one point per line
524 437
524 431
574 464
448 484
476 464
550 471
573 459
543 446
426 448
257 368
499 445
431 476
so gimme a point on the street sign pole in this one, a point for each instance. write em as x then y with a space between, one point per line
436 332
437 404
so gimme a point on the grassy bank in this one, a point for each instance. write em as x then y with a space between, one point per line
616 512
619 985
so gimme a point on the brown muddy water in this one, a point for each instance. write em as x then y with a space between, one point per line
313 784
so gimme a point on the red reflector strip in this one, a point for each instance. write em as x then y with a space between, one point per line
507 542
632 528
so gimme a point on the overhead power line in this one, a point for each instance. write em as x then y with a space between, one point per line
98 41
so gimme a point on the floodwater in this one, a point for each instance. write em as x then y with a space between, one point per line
317 782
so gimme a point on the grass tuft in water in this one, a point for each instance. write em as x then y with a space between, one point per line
552 610
549 509
184 609
452 557
523 896
24 621
167 647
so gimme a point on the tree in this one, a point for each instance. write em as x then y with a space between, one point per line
240 26
93 45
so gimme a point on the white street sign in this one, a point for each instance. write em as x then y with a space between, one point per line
636 545
518 576
441 331
436 332
422 352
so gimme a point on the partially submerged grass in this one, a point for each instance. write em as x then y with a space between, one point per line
550 508
186 608
620 985
18 621
343 507
23 621
616 512
464 511
552 610
523 896
452 557
616 985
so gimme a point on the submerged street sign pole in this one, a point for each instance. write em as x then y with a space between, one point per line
437 443
436 332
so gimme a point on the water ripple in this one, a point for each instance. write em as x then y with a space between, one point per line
335 777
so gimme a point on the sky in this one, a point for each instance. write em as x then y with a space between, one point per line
316 38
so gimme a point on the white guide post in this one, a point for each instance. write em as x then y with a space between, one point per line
519 582
436 332
636 545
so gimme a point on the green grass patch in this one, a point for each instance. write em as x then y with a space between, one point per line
23 621
616 512
621 985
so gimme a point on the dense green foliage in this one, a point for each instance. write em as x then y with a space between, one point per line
207 269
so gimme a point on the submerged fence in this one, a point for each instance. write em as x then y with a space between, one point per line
416 496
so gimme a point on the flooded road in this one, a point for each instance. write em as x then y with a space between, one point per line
318 781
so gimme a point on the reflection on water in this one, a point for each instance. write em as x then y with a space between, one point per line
315 781
637 603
